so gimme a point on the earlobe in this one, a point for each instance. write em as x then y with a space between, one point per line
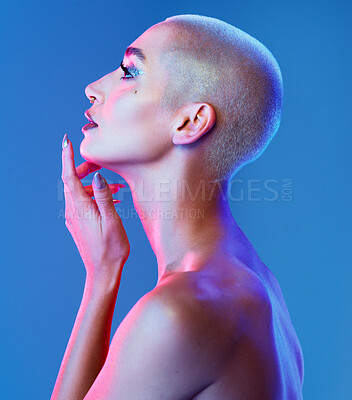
193 121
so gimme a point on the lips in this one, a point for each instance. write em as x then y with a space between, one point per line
89 118
91 125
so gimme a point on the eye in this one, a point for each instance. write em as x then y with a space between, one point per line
126 71
132 71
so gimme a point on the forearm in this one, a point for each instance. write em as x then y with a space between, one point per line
88 345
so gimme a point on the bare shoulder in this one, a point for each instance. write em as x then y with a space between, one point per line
178 337
230 313
217 306
231 286
159 351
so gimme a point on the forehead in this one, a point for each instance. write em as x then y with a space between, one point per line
152 42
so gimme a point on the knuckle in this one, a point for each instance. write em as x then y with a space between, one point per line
68 225
64 176
68 215
68 182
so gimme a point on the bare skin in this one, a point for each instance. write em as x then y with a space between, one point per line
216 325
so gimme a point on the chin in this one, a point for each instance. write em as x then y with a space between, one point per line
96 152
87 151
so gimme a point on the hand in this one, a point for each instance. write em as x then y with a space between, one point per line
95 226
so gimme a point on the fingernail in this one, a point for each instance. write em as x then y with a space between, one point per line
99 181
116 201
64 141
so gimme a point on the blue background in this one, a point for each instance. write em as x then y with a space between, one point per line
50 51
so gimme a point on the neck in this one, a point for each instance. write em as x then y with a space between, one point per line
186 221
184 212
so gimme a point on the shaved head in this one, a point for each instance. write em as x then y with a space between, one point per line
208 60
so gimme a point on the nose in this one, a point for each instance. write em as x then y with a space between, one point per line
101 88
92 90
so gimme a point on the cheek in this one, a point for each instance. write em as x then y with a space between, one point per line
135 116
132 128
118 107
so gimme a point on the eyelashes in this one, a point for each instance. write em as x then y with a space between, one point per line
132 71
126 71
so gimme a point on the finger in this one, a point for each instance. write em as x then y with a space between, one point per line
114 187
114 201
86 168
103 196
72 184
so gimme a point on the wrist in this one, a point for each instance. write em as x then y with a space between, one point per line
103 283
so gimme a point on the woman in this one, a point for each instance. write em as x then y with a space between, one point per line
194 100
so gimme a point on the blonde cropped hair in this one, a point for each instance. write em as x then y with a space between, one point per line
214 62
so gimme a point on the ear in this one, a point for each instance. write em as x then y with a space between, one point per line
192 121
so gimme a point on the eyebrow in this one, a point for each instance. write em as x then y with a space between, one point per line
137 52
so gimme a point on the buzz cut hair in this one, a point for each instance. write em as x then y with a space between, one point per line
214 62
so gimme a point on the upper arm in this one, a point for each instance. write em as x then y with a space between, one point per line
160 351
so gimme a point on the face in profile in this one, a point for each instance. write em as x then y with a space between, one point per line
132 127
